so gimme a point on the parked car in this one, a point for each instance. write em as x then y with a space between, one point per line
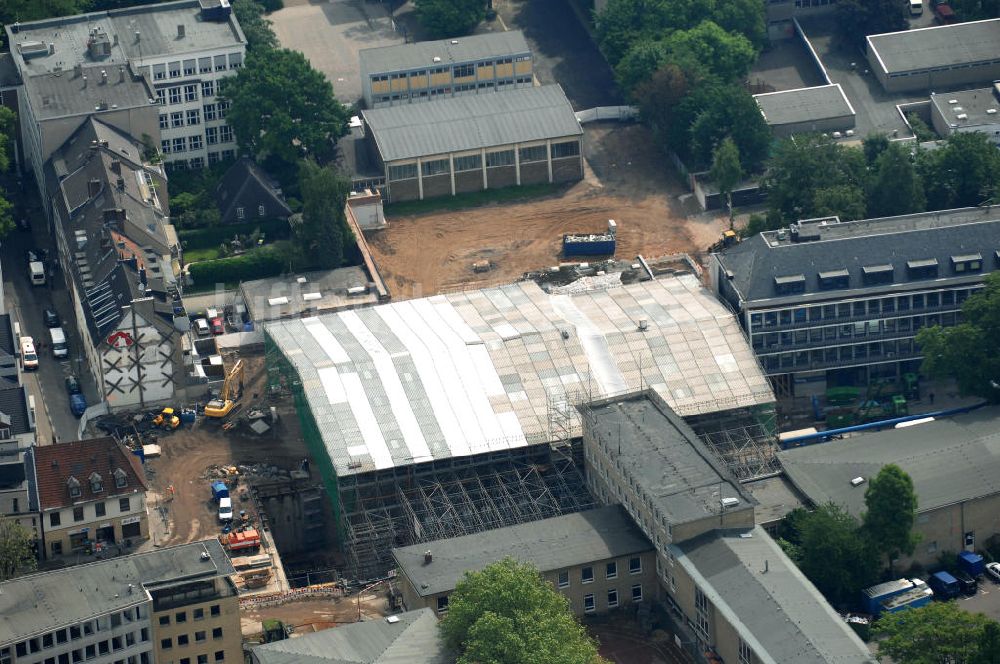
217 326
51 318
225 509
29 358
993 571
201 327
72 384
77 404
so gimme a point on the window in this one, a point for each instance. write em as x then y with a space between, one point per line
202 659
100 509
166 644
47 640
564 579
175 69
790 284
190 93
199 636
159 72
701 611
587 575
198 614
204 65
216 631
211 137
194 116
403 172
165 146
260 210
239 213
612 598
208 88
220 63
189 68
164 620
177 119
175 95
220 655
922 269
568 149
181 617
536 153
637 592
55 519
124 505
223 106
182 640
588 603
225 134
967 263
434 167
74 632
235 60
228 155
78 514
503 158
74 487
611 570
210 113
635 565
161 97
195 142
470 162
461 71
746 654
179 144
164 121
116 643
121 479
213 157
90 652
834 279
442 604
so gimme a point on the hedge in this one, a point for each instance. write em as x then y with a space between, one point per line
267 261
203 238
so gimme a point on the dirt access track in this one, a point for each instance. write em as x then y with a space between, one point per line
627 179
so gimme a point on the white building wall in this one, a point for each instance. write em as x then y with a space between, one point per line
136 363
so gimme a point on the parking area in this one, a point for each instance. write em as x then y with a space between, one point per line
986 601
330 34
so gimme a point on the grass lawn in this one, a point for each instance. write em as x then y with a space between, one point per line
473 199
205 254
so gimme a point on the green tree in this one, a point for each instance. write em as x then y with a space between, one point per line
895 187
17 554
727 110
506 614
939 633
450 18
639 64
970 351
891 509
660 95
322 232
280 105
256 28
976 10
989 645
726 171
963 173
707 47
874 145
34 10
856 19
845 201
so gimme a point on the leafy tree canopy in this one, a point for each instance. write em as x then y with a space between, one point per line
891 510
710 113
256 28
506 614
856 19
726 171
939 633
34 10
895 186
322 232
280 105
17 554
964 173
449 18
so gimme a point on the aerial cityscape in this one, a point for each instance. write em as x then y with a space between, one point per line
500 332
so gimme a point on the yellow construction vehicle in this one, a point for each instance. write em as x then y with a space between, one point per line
232 388
167 419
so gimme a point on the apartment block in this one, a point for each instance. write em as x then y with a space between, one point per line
423 71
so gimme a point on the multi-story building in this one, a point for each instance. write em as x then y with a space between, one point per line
967 110
110 612
598 559
18 491
828 301
150 71
91 495
422 71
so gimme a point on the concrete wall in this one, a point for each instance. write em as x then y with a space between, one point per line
841 123
944 529
437 185
467 181
404 190
936 80
501 176
296 515
534 172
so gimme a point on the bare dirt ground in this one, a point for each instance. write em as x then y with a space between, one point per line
430 253
308 616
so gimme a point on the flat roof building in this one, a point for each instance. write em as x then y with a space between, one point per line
967 110
424 71
462 144
938 57
823 108
308 294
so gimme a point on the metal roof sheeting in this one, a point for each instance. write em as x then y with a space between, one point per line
472 122
420 55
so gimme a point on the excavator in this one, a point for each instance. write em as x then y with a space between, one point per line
232 388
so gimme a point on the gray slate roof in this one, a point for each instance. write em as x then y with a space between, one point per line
37 603
13 403
472 122
937 46
950 461
420 55
754 263
63 94
821 102
657 448
549 544
778 612
414 639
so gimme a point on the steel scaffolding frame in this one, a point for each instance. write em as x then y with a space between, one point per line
750 452
438 503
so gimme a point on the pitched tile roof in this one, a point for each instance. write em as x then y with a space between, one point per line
80 459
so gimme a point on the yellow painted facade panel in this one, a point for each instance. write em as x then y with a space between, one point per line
380 86
398 84
485 73
441 79
418 82
505 71
523 67
465 79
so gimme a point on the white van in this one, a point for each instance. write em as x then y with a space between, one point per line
36 269
225 509
916 7
29 358
59 346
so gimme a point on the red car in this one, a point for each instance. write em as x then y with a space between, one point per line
216 325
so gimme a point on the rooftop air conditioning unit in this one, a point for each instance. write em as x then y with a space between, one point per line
857 481
962 116
729 502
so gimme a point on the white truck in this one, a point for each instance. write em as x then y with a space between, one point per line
59 346
36 270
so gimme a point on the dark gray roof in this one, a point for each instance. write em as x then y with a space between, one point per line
822 102
656 447
8 71
63 94
420 55
14 404
937 46
764 596
6 335
549 544
472 122
758 261
974 105
37 603
950 461
412 639
245 184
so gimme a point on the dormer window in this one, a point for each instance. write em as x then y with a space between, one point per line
96 483
121 479
74 487
790 284
967 263
834 279
926 268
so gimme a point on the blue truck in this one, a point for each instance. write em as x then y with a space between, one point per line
971 563
944 585
872 598
919 595
219 491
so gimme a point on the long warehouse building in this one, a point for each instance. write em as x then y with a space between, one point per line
403 403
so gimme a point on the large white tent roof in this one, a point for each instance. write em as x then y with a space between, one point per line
488 370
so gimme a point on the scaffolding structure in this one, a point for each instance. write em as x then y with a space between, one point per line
749 452
463 498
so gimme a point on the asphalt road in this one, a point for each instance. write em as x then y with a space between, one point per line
26 302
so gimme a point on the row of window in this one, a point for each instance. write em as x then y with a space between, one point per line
66 658
77 632
206 65
196 163
180 118
875 275
213 136
590 604
610 572
241 212
91 651
448 90
874 329
220 656
184 639
839 356
100 510
473 162
467 69
196 614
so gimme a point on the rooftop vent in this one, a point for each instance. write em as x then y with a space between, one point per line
729 502
428 557
991 111
32 49
454 41
436 59
857 481
962 116
205 555
180 31
392 620
301 280
952 101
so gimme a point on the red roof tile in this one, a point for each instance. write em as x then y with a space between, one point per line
55 464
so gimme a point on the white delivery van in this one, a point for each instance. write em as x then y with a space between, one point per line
36 269
29 358
225 509
916 7
59 346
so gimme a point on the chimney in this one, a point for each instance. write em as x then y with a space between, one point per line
116 166
428 558
138 36
120 183
84 80
104 77
93 188
180 32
